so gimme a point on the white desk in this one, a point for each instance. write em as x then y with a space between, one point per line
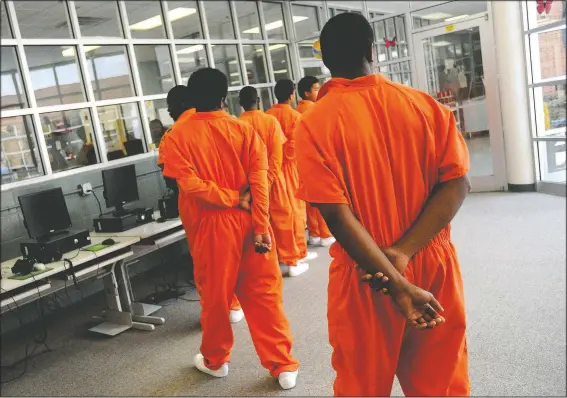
108 259
165 233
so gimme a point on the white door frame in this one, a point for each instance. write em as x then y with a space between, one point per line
497 181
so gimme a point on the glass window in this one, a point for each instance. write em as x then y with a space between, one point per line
232 104
339 7
154 66
158 118
122 130
226 60
20 154
219 19
248 19
69 139
447 12
552 156
109 70
55 75
145 20
255 60
274 17
191 58
540 15
549 47
550 110
280 61
13 94
265 98
397 72
306 20
185 19
98 18
4 23
310 65
43 19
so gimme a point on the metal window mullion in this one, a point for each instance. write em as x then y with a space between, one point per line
171 42
241 59
293 52
271 77
558 25
208 48
551 82
28 88
365 11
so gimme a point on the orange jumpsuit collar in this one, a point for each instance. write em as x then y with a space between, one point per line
210 115
281 106
340 83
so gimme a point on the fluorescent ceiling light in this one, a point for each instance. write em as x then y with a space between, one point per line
233 62
279 71
276 47
154 22
441 43
235 74
436 15
70 51
274 25
458 17
191 49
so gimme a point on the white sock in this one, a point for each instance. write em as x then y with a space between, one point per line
314 241
288 379
326 242
299 269
236 315
200 364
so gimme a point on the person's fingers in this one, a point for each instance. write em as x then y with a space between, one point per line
431 312
367 278
431 324
427 317
435 304
386 292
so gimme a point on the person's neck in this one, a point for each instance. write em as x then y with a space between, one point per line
288 102
252 109
208 109
363 70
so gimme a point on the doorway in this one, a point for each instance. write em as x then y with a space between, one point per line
456 64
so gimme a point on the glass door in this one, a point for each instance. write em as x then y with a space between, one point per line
456 65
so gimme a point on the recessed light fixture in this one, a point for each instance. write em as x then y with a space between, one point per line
457 18
436 15
191 49
273 25
154 22
70 51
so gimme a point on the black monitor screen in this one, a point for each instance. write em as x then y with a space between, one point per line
45 212
120 185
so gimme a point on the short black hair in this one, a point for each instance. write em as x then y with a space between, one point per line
345 40
248 97
305 85
284 89
208 87
178 94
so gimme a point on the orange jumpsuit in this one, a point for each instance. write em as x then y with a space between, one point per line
281 215
405 143
188 226
316 225
219 158
288 118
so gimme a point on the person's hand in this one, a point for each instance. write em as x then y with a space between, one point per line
245 200
399 260
418 306
262 243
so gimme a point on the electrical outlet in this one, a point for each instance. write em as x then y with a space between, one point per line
85 189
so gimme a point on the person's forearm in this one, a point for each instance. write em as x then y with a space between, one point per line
439 210
209 192
260 201
358 243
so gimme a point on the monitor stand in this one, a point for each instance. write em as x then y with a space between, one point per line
120 211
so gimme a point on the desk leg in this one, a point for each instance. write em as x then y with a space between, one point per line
115 320
139 311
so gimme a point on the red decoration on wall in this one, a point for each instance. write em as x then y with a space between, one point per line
544 5
390 43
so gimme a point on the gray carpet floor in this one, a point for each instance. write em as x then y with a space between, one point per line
512 251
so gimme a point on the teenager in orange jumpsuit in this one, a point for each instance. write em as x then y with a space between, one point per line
386 166
221 164
319 234
281 215
179 106
288 118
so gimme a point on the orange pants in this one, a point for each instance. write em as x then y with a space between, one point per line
316 225
298 208
226 263
282 222
190 230
372 342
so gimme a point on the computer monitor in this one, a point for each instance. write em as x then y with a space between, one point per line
45 213
120 187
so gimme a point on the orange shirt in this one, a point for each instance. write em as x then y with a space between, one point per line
270 131
163 142
379 147
220 158
288 118
304 105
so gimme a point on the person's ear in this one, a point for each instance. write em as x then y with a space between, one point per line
370 54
